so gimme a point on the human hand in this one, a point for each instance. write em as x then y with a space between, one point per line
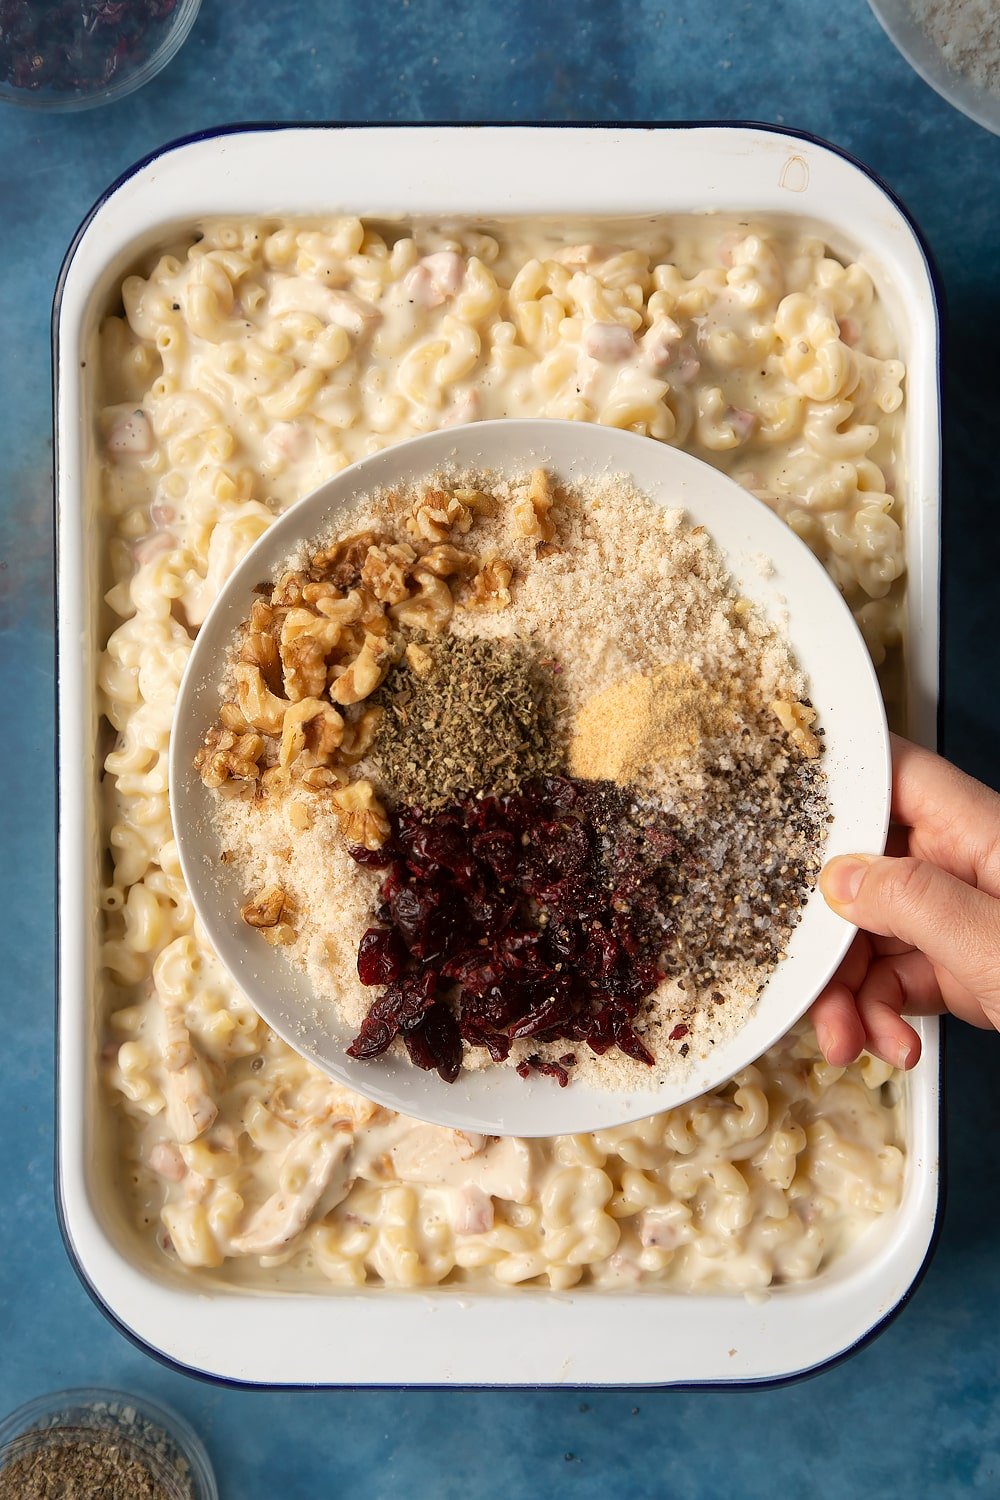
929 914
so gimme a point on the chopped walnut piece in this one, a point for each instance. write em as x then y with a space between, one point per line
361 816
358 736
475 500
386 570
343 609
311 725
532 507
322 778
303 662
287 592
796 719
430 608
275 781
436 515
418 659
300 621
262 615
265 910
231 718
491 586
299 815
341 563
259 647
363 675
227 755
445 560
258 705
312 593
280 935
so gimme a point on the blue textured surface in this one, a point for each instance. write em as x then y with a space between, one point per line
916 1412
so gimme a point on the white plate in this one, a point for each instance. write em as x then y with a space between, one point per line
454 1335
796 594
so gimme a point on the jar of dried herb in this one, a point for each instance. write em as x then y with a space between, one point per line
85 1444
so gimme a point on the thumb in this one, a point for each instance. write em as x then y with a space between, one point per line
953 924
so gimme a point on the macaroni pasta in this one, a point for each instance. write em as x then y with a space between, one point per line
248 364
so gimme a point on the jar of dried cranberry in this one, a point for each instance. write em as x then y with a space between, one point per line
72 54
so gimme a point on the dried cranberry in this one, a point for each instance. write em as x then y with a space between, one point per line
372 859
497 1043
436 1043
476 970
414 995
543 913
428 849
630 1044
491 913
381 956
551 1011
602 952
372 1040
423 919
556 1070
495 847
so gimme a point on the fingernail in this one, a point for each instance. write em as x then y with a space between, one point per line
903 1055
842 877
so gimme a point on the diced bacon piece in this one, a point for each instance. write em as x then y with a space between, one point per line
727 245
743 423
660 343
465 408
849 331
687 368
167 1162
473 1211
609 342
418 284
446 269
132 434
285 440
624 1268
162 515
151 546
190 1106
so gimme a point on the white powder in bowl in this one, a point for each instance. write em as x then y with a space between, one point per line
967 34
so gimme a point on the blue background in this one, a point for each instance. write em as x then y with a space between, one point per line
915 1412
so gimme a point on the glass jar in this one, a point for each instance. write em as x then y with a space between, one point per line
134 1429
73 54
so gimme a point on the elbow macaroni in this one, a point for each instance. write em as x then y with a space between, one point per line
242 373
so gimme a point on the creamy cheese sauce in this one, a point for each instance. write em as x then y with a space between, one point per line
253 361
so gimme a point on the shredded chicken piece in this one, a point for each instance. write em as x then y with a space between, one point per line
314 1166
191 1110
